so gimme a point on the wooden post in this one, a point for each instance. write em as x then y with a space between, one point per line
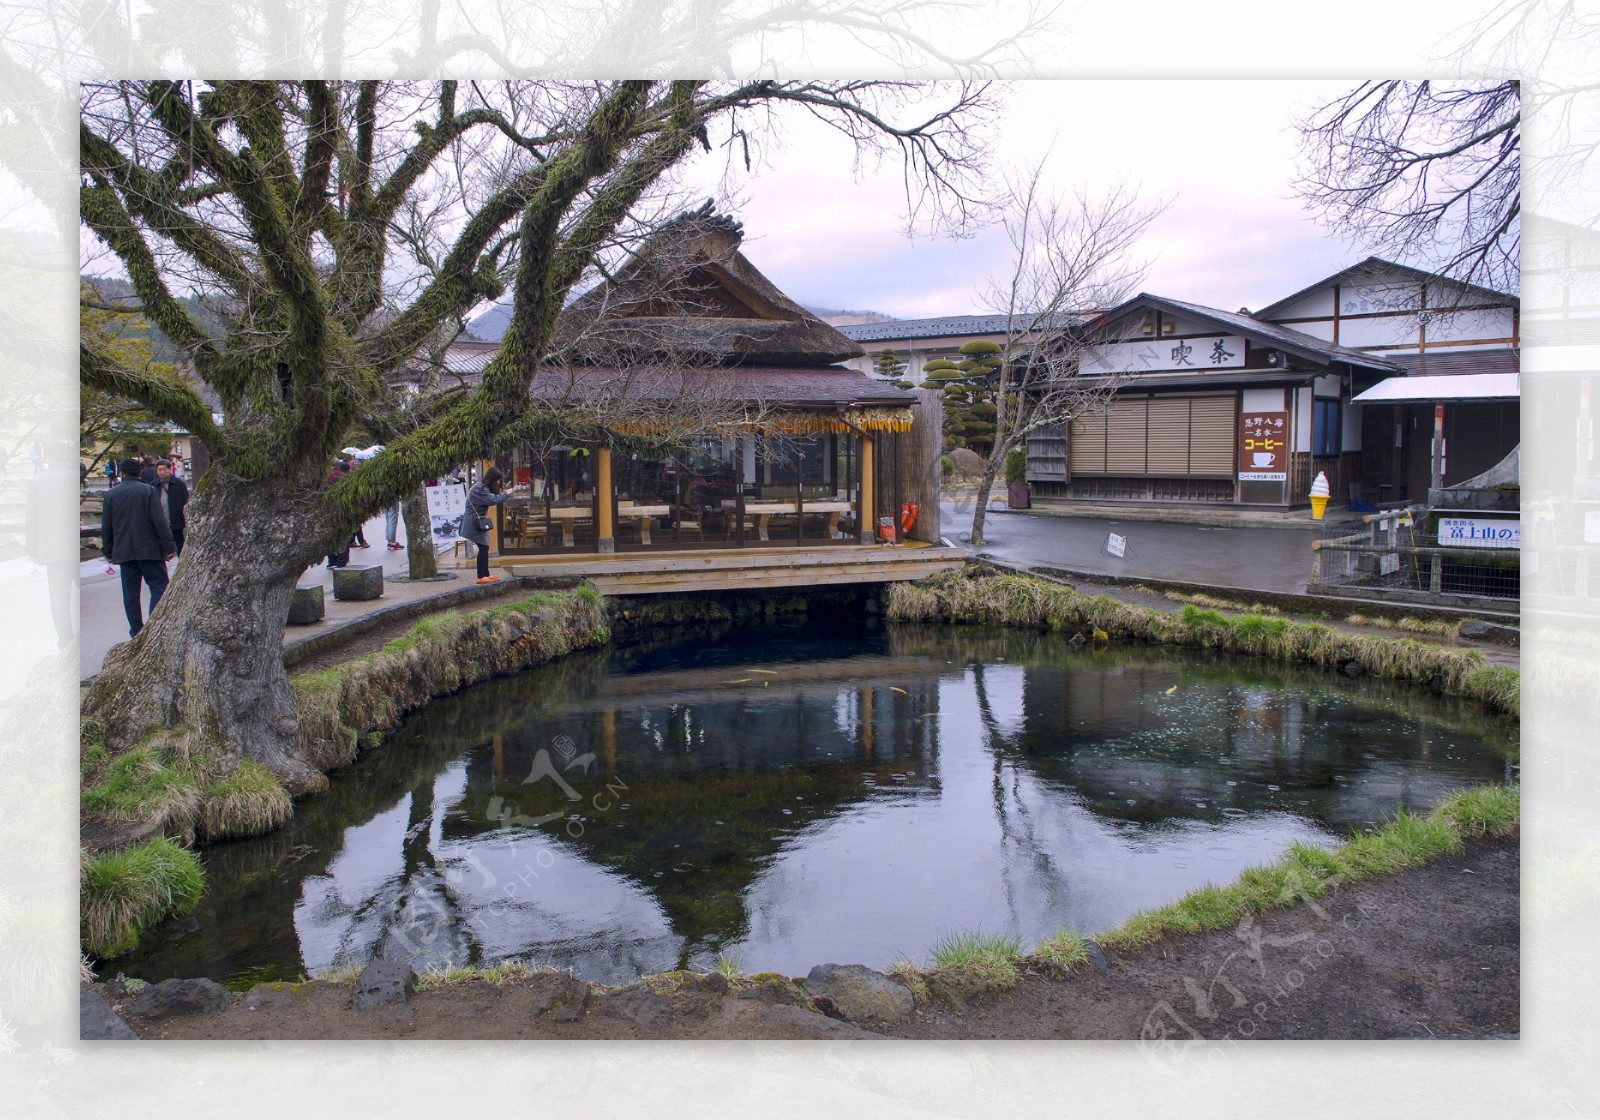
605 500
1436 473
866 522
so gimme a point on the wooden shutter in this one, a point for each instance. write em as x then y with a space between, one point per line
1125 438
1087 447
1212 425
1168 436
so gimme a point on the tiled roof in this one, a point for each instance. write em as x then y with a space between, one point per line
1445 363
1379 265
949 325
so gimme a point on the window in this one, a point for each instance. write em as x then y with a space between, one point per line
1325 433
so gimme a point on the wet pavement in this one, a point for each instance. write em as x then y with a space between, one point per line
1245 556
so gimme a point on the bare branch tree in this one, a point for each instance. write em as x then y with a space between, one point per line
345 228
1071 258
1424 173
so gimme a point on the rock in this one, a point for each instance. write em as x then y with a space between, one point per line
383 982
860 994
277 996
714 983
791 1022
560 995
772 987
1490 632
179 997
638 1004
98 1023
1350 669
1097 958
364 582
307 607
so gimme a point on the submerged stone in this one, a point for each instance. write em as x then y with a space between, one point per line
277 996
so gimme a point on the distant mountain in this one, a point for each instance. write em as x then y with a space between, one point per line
115 290
835 318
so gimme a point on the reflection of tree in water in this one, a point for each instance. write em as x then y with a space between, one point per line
702 776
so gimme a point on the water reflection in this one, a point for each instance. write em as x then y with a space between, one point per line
794 798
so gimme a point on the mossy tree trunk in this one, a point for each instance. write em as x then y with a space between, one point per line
210 656
422 560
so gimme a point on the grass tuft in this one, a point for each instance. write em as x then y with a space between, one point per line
143 784
728 965
983 961
1062 952
1305 873
246 801
123 893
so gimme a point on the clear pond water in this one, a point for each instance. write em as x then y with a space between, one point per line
791 796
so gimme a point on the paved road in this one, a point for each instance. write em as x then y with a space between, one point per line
102 623
1246 557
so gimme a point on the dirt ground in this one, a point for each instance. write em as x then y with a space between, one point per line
1428 953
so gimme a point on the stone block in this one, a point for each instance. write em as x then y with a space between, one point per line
307 607
365 582
383 982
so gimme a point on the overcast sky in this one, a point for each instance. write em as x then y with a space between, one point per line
1221 152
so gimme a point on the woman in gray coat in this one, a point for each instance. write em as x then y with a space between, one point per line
485 494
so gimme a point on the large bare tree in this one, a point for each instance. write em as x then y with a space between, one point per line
1070 258
285 202
1425 173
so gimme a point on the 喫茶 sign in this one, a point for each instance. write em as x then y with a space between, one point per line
1263 446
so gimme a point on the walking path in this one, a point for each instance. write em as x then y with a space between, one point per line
1266 558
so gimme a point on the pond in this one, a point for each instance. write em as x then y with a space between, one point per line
790 796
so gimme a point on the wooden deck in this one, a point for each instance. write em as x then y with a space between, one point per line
731 569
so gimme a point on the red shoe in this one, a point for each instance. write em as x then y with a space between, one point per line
395 546
489 579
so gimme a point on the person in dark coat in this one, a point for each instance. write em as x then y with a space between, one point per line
137 537
485 494
173 493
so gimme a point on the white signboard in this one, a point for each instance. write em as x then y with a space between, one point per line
447 504
1151 355
1117 546
1479 532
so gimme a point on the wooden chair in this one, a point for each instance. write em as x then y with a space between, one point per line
690 524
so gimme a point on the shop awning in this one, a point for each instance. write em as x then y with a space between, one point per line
1443 390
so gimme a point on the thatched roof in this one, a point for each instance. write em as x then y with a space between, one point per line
691 297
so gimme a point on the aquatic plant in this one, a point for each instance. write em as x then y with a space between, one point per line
246 801
986 961
1061 953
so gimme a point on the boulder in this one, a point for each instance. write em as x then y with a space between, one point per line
306 607
639 1005
860 994
98 1023
277 996
364 582
179 997
383 982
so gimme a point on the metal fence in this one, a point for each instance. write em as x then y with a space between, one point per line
1392 554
